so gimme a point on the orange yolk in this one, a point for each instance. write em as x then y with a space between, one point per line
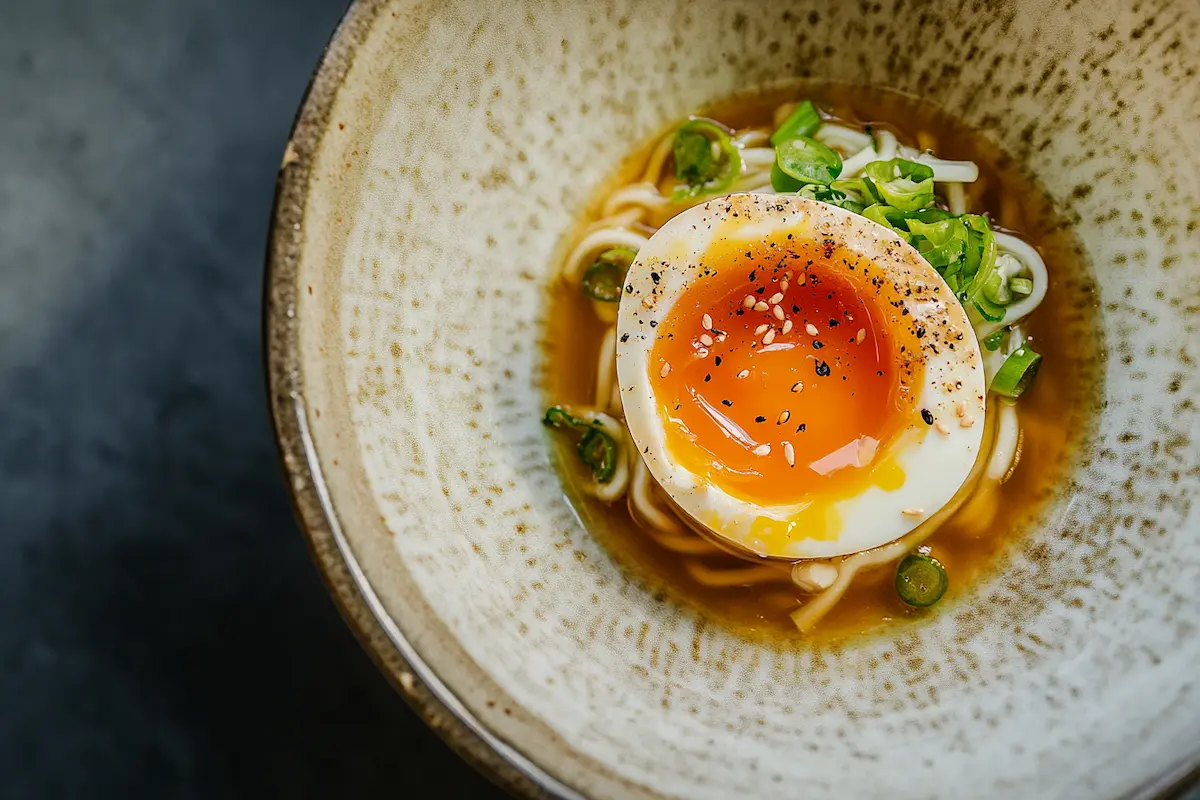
780 404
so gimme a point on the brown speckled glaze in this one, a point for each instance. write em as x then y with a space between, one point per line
441 153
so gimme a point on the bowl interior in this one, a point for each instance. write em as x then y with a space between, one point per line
444 153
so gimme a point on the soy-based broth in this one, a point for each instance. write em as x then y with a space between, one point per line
1053 414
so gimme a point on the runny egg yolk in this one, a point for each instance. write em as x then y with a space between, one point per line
785 370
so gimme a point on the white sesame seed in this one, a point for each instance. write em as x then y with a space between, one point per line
789 454
762 450
776 298
967 421
706 340
798 386
749 301
665 371
744 373
706 322
850 317
770 337
960 410
778 312
760 306
783 285
787 327
784 416
941 428
721 338
761 329
810 329
648 301
913 512
702 352
861 335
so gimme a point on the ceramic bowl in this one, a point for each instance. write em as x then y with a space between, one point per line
441 155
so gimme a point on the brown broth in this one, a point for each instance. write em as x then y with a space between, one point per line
1053 414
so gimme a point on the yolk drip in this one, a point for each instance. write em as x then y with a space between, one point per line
784 371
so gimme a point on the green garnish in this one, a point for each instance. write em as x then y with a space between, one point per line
994 340
706 159
833 197
596 449
942 243
900 183
1021 286
1017 372
804 121
921 580
603 279
979 267
806 161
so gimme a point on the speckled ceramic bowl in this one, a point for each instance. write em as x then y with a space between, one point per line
444 150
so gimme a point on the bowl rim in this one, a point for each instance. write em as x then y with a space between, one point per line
391 651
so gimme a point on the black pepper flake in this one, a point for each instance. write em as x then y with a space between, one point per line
753 273
727 403
653 323
718 361
904 312
795 309
920 331
629 288
927 415
822 369
802 428
817 344
760 419
624 337
708 378
654 276
833 323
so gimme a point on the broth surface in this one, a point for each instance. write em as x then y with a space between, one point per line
1053 414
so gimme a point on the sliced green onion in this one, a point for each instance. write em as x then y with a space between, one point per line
696 148
782 182
599 452
804 121
1021 286
1017 372
596 449
993 341
808 161
559 417
604 278
833 197
903 184
979 267
921 580
943 244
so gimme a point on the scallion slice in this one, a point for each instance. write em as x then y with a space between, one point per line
596 449
942 243
804 121
1017 372
808 161
1021 286
903 184
599 452
994 340
921 580
706 159
604 278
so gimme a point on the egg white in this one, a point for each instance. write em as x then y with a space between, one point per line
935 464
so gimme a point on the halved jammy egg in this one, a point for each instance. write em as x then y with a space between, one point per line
799 381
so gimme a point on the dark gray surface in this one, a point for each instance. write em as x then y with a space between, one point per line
162 631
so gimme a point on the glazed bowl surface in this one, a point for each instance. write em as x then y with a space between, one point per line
442 155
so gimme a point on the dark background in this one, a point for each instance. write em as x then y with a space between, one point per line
163 633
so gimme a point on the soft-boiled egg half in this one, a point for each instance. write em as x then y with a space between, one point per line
798 379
